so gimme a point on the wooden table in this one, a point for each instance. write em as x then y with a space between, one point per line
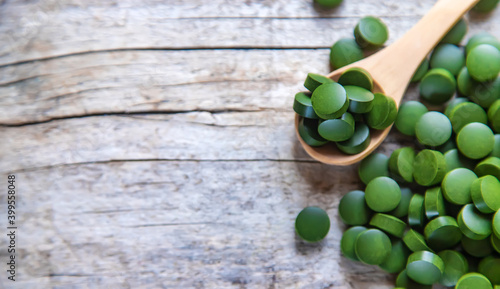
153 145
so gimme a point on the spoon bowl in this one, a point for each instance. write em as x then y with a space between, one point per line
392 69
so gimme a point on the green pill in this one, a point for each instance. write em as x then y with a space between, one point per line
438 86
490 268
496 147
433 129
495 243
473 281
442 233
485 193
457 33
408 115
388 224
396 261
360 99
401 163
371 32
383 113
477 248
482 38
421 71
429 167
465 83
382 194
373 247
358 142
447 146
496 224
455 160
457 184
425 267
314 80
465 113
348 241
474 224
302 105
308 131
312 224
415 241
449 57
373 166
337 129
416 211
434 203
475 140
403 281
344 52
353 209
404 205
455 265
328 3
489 166
485 93
453 103
483 62
494 115
485 6
330 100
358 77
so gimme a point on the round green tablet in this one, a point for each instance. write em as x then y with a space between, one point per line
328 3
457 33
361 100
348 241
474 224
421 70
344 52
302 105
401 163
424 267
314 80
337 129
415 241
308 131
358 142
373 247
358 77
456 186
402 209
496 147
485 93
465 83
371 32
449 57
353 209
434 203
453 103
416 211
454 160
465 113
475 140
496 224
373 166
494 115
482 38
383 113
396 261
330 100
483 62
433 129
485 193
442 233
429 167
405 282
388 224
447 146
489 166
485 6
455 265
490 268
408 115
473 281
495 242
382 194
312 224
477 248
438 86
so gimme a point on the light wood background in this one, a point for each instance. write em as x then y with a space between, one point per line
153 141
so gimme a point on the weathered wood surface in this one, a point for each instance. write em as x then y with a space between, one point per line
154 147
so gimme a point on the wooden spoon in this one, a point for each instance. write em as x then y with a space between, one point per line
392 69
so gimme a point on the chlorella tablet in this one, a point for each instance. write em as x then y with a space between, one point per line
353 209
442 233
455 265
424 267
485 93
473 281
457 184
388 224
415 241
452 104
477 248
358 77
449 57
494 115
308 131
438 86
485 193
302 105
360 99
496 147
486 6
383 113
433 129
496 224
482 38
404 205
373 166
358 142
314 80
344 52
455 160
330 100
371 32
312 224
457 33
396 261
434 203
429 167
495 242
465 113
403 281
372 247
421 70
490 268
474 224
489 166
382 194
475 140
348 241
408 115
401 163
416 211
483 62
339 129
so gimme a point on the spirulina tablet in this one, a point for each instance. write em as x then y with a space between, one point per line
485 93
433 129
382 194
454 160
348 241
308 131
396 261
438 86
425 267
453 103
483 62
401 163
494 115
489 166
415 241
429 167
465 83
457 184
490 268
496 147
421 70
408 115
473 281
312 224
496 224
434 203
314 80
485 193
404 205
353 209
495 242
474 224
371 32
482 38
477 248
330 100
475 140
358 142
447 146
383 113
442 233
388 224
485 6
416 211
465 113
372 247
455 265
358 77
457 33
344 52
449 57
302 105
337 129
403 281
360 99
373 166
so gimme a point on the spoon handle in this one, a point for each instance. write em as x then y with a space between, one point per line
397 63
